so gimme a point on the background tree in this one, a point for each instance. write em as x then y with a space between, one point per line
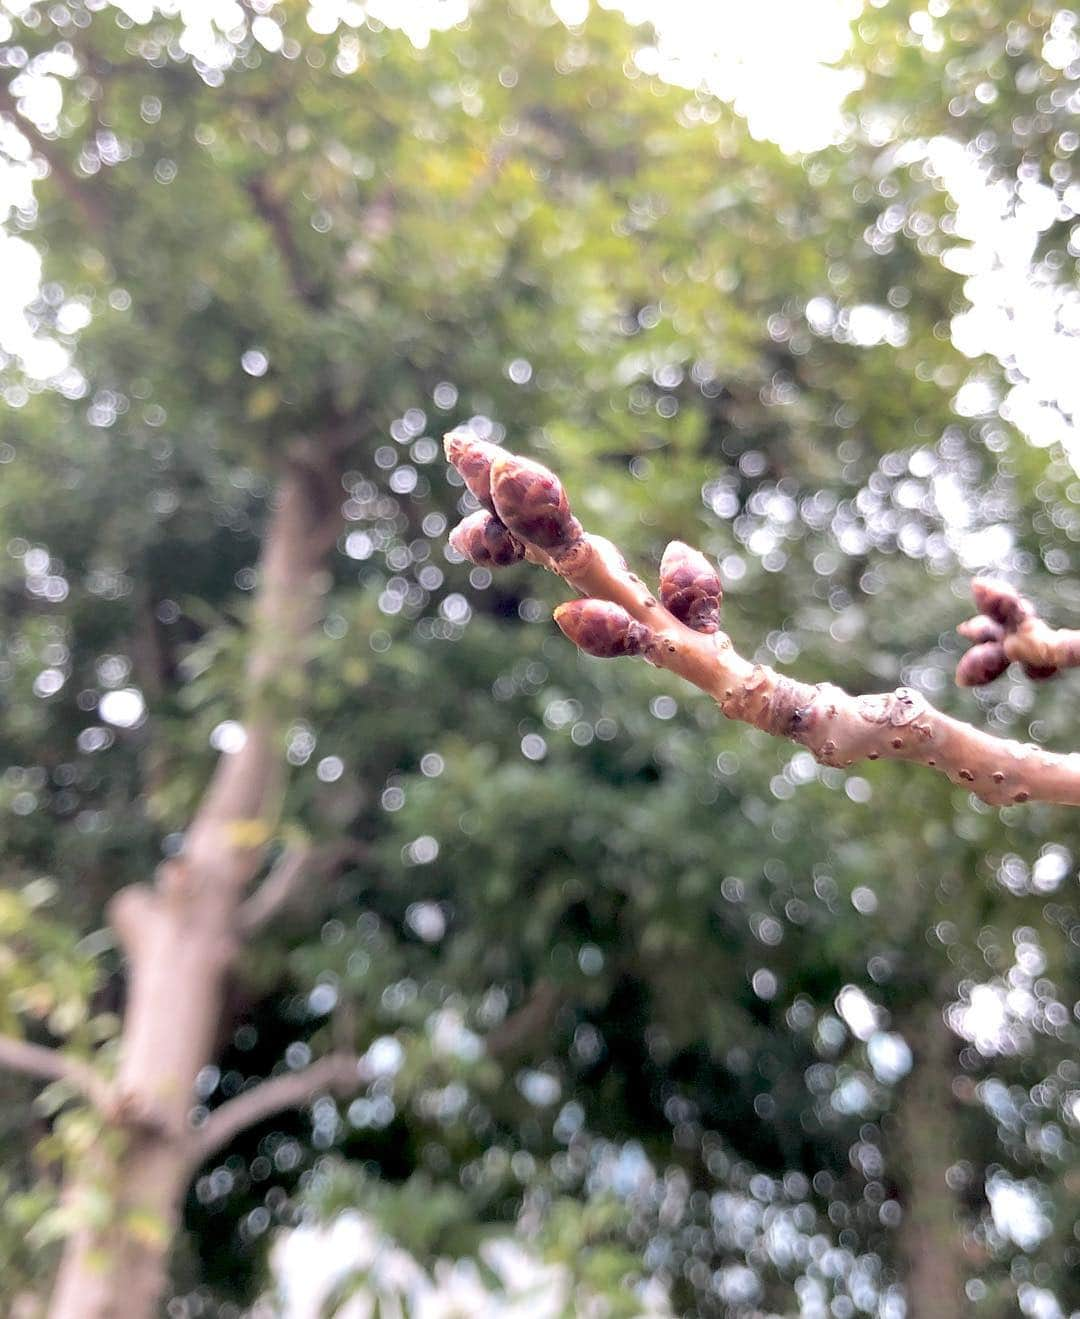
644 983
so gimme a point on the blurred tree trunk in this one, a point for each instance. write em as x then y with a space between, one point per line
180 936
930 1236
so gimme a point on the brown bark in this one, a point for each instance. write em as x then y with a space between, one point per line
181 936
930 1235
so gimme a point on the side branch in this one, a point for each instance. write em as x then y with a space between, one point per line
298 865
51 1065
531 1022
336 1073
276 890
272 211
839 729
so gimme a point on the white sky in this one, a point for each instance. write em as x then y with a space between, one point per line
771 59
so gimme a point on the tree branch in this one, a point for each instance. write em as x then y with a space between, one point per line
168 1031
298 865
532 1022
276 891
837 728
336 1073
51 1065
77 190
271 210
239 810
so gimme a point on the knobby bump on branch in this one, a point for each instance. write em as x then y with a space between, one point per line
525 514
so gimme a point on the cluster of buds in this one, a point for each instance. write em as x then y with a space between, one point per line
524 508
525 504
1002 611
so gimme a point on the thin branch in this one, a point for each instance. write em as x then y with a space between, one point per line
51 1065
299 865
836 727
77 190
277 890
271 210
336 1073
531 1022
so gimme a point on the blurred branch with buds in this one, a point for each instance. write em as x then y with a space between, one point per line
525 514
1007 630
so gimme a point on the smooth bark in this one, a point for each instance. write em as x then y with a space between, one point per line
181 937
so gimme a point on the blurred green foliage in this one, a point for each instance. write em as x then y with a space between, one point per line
650 915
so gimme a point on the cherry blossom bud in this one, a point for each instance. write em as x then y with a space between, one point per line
603 629
1002 602
532 502
484 540
981 628
981 664
690 587
1039 672
473 459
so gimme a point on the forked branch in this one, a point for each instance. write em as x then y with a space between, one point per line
51 1065
298 866
526 514
335 1073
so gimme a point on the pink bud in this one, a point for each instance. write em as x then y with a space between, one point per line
981 664
1002 602
690 587
1039 672
981 628
603 629
483 540
473 459
532 502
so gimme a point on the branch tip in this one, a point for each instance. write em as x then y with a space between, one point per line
473 458
1010 622
531 500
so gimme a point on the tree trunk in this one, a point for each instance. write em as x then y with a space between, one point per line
930 1235
180 936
